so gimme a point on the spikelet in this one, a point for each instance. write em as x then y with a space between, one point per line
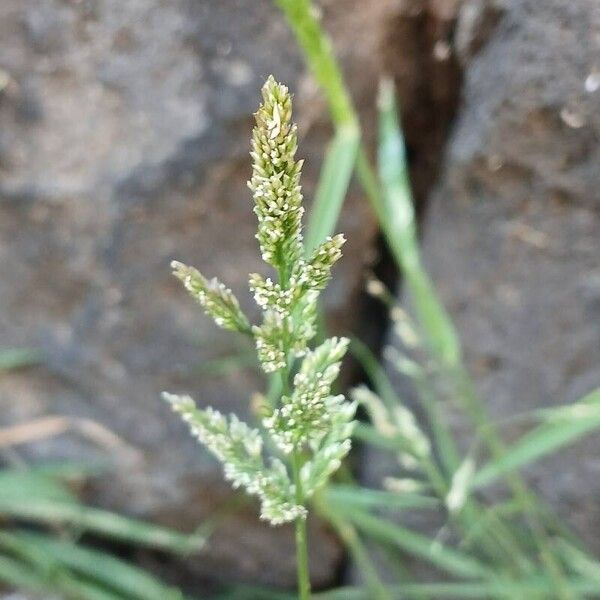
460 485
308 412
318 269
333 448
272 296
377 410
217 300
270 341
396 422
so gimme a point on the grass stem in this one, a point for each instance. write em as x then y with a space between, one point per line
300 533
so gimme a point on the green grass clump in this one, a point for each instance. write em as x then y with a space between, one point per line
41 523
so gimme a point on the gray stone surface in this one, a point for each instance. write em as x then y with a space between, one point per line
511 236
124 138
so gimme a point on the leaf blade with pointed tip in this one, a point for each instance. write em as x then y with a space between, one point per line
560 427
333 184
398 223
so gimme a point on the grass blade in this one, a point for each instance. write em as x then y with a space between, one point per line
561 427
579 561
318 53
17 358
399 227
17 574
21 486
102 568
504 589
333 185
32 569
345 497
453 561
252 592
117 527
398 224
356 547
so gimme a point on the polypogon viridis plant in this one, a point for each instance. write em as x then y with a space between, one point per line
309 427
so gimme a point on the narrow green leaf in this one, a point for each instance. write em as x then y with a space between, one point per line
355 546
562 426
345 497
19 574
453 561
252 592
399 226
22 486
102 568
333 185
32 569
39 560
17 358
318 53
302 17
581 563
65 472
102 522
501 588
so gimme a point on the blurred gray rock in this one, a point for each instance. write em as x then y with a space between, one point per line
512 232
124 139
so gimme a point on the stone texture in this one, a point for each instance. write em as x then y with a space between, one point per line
511 235
124 138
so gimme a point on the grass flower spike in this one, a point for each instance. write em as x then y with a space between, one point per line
217 300
275 179
308 427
